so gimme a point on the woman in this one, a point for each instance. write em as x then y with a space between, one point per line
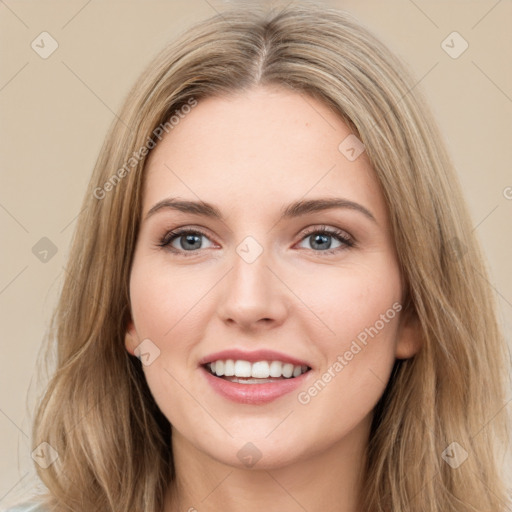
274 298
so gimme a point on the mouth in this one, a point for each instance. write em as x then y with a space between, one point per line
254 377
241 371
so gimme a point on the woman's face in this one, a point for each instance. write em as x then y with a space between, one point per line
265 281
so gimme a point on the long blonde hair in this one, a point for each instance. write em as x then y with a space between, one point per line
98 413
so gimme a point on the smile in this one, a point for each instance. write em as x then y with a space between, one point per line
259 372
254 377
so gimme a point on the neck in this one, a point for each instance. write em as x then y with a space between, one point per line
327 480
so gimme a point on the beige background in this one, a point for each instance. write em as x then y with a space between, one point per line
55 113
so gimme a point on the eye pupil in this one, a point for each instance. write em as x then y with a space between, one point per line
324 240
190 238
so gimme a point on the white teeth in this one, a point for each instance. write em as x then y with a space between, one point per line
287 370
242 369
229 368
276 369
260 370
219 368
257 370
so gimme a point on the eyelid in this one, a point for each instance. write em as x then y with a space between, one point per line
332 230
176 233
345 238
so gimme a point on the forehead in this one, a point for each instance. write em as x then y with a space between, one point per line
257 150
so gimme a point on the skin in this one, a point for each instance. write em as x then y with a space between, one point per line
251 154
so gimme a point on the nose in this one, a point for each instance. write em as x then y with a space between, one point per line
253 296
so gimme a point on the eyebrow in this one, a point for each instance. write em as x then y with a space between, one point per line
295 209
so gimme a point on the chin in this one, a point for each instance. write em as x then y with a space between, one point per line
255 453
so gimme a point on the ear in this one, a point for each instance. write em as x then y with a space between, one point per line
130 338
409 337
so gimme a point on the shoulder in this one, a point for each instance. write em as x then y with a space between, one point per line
26 507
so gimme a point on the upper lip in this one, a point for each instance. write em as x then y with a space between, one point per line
253 356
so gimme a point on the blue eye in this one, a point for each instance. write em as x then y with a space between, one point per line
321 238
189 240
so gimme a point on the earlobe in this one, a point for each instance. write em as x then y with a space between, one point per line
130 338
409 338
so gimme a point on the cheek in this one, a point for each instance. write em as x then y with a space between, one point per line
163 311
168 308
352 301
163 301
361 311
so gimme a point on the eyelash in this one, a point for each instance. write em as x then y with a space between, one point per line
341 236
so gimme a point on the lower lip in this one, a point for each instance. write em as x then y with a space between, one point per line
253 394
